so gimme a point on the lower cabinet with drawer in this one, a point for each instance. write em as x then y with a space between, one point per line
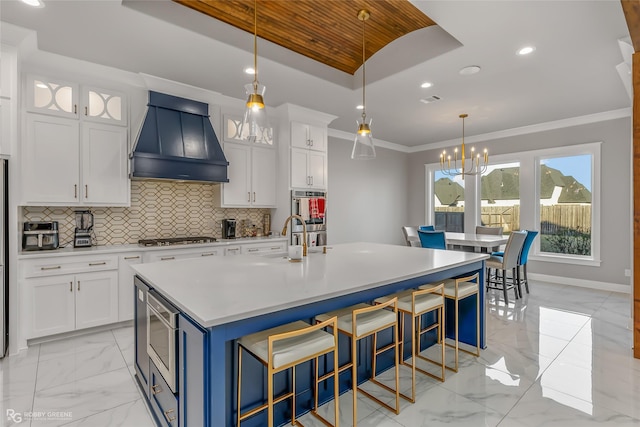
264 248
163 402
171 254
65 294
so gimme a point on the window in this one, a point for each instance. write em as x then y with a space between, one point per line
447 202
500 196
565 204
555 191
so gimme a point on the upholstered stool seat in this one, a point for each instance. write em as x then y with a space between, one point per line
458 289
284 347
360 321
415 303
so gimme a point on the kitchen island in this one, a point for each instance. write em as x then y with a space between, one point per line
220 300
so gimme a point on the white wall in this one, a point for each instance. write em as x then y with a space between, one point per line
367 199
616 232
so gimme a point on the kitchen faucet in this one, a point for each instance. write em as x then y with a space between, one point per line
304 232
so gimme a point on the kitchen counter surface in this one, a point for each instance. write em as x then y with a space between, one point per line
107 249
218 291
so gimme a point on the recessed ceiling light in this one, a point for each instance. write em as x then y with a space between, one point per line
249 70
34 3
426 85
526 50
471 69
360 107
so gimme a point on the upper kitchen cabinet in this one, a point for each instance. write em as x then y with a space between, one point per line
74 156
252 177
308 169
252 169
65 99
308 136
68 164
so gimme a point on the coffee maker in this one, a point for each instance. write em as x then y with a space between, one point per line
229 228
84 227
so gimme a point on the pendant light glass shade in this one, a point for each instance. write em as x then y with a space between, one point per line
363 147
255 124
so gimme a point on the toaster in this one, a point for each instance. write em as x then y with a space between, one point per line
40 235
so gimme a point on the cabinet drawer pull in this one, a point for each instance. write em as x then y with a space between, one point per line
132 257
86 191
86 111
92 264
167 415
167 258
233 249
155 389
78 285
248 196
311 140
70 286
275 248
57 267
75 191
253 250
75 108
254 197
208 254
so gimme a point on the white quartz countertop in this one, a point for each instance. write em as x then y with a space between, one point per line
107 249
214 291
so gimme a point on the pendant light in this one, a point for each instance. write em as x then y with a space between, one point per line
363 147
255 125
473 165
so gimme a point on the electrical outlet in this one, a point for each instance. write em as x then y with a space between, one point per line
627 272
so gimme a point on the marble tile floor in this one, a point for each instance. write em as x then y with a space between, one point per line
561 356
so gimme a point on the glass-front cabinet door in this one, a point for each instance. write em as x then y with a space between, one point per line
105 106
52 96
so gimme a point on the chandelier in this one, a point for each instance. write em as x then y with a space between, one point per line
470 165
363 147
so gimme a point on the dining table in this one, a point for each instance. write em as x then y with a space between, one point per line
474 242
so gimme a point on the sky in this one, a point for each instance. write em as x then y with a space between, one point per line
577 166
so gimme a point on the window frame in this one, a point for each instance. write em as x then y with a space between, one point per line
530 196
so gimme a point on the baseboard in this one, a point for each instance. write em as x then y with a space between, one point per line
591 284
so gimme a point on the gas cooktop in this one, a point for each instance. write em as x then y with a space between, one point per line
176 241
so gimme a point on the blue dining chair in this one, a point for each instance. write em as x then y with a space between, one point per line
432 239
427 228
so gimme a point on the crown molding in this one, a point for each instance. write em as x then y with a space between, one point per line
507 133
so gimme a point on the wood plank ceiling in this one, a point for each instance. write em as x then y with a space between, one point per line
327 31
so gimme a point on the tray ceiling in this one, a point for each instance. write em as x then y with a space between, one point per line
325 31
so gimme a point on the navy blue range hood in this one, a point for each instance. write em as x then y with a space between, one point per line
177 142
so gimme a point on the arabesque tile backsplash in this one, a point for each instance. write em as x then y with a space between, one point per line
158 209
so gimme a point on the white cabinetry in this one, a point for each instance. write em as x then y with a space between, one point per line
172 254
125 284
8 98
65 294
252 177
308 169
71 158
308 136
308 156
264 248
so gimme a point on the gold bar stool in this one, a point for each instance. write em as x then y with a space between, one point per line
456 290
360 321
284 347
415 303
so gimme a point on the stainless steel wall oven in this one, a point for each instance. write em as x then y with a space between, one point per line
312 206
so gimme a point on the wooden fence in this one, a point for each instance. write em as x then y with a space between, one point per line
552 218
